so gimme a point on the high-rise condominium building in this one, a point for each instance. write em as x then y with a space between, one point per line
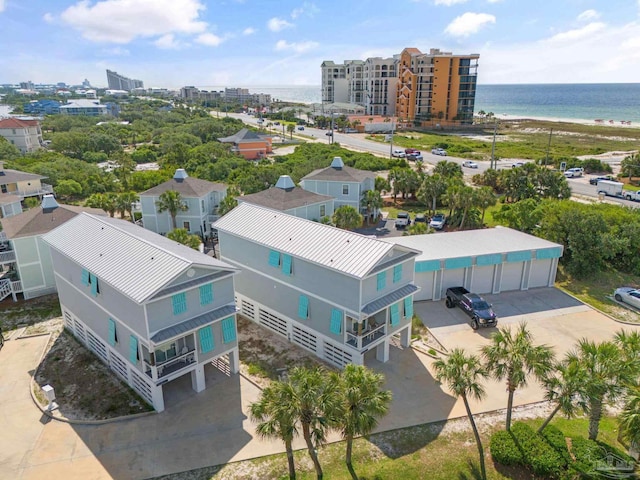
436 86
120 82
414 86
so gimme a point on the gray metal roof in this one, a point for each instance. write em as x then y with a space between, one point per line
188 187
281 199
471 243
192 323
388 299
340 174
191 283
135 261
331 247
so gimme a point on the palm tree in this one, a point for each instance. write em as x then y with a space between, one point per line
105 201
607 378
562 388
483 199
314 402
463 373
171 201
291 128
363 403
276 418
448 169
629 418
372 201
347 218
126 200
629 345
181 235
418 228
433 186
514 357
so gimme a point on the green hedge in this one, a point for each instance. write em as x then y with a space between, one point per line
505 450
587 453
543 459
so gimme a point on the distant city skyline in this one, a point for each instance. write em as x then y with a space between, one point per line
172 43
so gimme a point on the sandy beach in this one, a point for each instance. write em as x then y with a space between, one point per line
581 121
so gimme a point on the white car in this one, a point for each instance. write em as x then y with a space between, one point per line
398 154
439 151
574 172
438 221
517 164
469 164
628 295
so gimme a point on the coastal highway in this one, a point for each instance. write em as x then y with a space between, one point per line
579 186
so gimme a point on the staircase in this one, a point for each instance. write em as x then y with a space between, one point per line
5 289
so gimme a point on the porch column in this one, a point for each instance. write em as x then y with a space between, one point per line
158 398
234 361
382 351
197 378
405 336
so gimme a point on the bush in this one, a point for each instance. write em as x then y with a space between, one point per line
556 439
504 449
538 454
587 453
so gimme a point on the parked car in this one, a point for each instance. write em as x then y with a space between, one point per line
329 133
517 164
574 172
402 220
415 157
439 151
476 307
397 153
438 221
628 295
410 151
595 180
300 127
420 218
469 164
276 123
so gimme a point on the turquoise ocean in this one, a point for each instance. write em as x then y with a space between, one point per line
585 102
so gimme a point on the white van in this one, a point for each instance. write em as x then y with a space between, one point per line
574 172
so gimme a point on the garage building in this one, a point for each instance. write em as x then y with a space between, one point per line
490 260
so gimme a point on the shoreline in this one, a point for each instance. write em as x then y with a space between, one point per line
579 121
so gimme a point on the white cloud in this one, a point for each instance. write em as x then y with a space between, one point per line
249 31
209 39
308 8
121 21
494 1
448 3
168 42
469 23
276 24
578 33
297 47
588 15
47 17
2 5
116 52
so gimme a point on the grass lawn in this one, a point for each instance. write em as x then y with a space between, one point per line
414 453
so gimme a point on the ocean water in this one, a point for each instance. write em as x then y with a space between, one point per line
606 101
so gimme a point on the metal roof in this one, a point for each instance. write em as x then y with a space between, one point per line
135 261
192 323
331 247
285 199
393 297
471 243
37 221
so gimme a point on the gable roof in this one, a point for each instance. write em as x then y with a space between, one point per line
13 122
36 222
284 199
339 172
135 261
12 176
6 198
188 187
244 135
347 252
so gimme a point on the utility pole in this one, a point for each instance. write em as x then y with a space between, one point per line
393 126
493 163
546 159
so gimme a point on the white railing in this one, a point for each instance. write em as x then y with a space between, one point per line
43 190
16 286
8 257
366 337
3 237
5 289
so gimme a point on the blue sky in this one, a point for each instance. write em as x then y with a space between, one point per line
172 43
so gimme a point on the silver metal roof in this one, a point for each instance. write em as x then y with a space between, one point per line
135 261
331 247
192 323
471 243
393 297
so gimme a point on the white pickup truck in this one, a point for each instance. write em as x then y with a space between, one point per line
629 195
616 189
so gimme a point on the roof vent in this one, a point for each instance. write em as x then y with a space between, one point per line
337 163
285 183
180 175
49 204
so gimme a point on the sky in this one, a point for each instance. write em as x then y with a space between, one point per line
172 43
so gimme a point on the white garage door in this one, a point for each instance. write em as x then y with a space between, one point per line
425 281
482 279
540 273
511 276
452 278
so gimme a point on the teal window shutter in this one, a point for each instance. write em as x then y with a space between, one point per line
286 264
133 349
303 307
95 290
206 294
395 314
179 301
408 307
397 273
228 330
382 280
336 321
206 339
274 258
85 277
112 333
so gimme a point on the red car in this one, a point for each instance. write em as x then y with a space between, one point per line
410 151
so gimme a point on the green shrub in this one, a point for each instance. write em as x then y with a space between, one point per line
587 453
556 439
504 449
538 454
